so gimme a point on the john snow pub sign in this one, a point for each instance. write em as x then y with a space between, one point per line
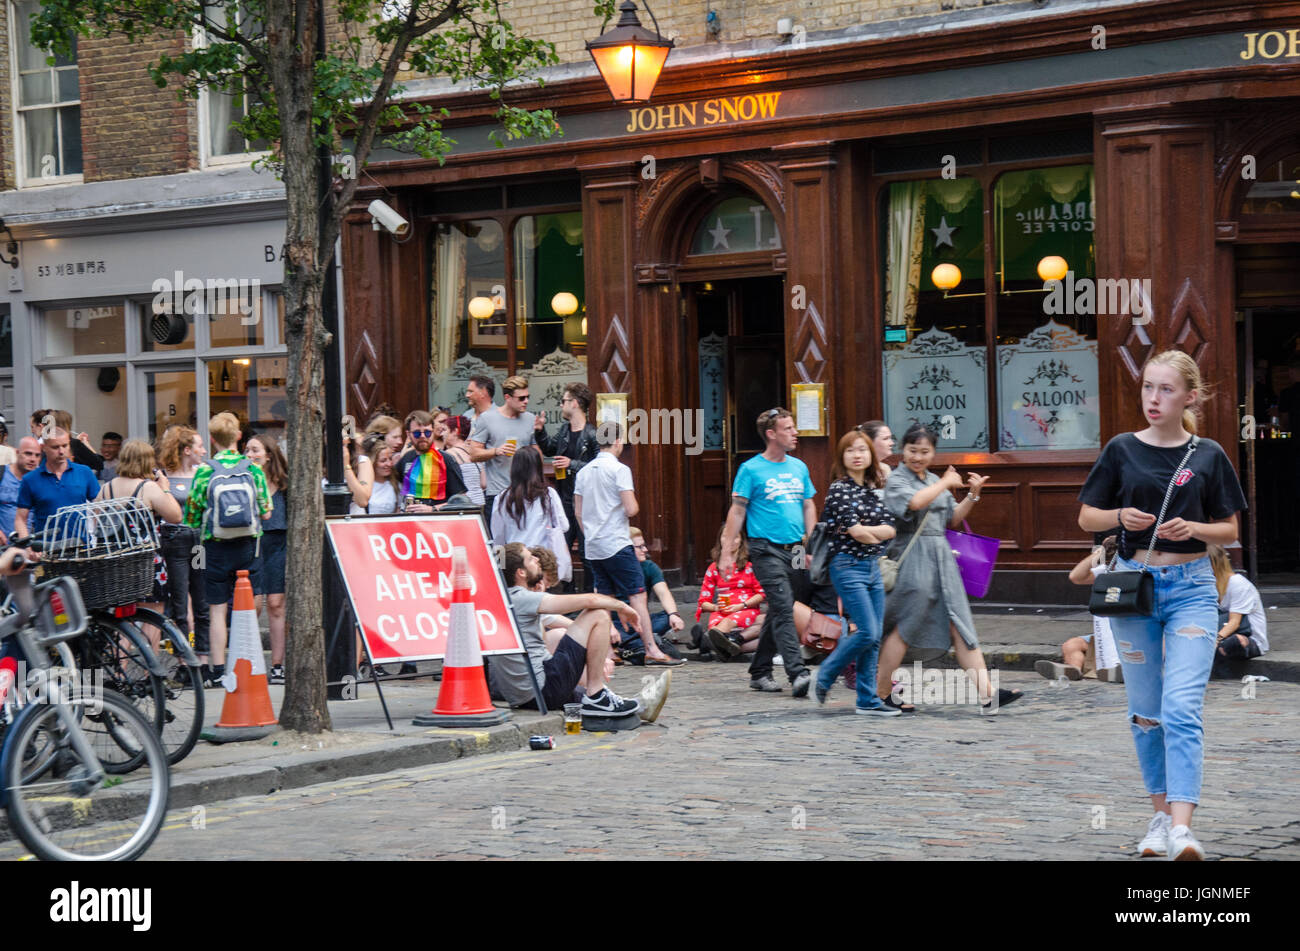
689 115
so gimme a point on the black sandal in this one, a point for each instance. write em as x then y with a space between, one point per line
895 705
1005 696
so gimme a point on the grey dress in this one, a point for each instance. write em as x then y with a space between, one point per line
929 591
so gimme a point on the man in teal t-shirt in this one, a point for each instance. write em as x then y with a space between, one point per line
772 499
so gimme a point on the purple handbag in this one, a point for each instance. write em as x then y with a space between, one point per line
975 556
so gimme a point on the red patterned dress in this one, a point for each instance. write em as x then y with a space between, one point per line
741 585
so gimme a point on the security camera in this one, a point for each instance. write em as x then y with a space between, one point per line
382 214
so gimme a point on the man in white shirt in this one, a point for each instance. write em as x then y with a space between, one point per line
603 501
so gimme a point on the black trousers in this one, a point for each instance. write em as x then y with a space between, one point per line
773 565
185 582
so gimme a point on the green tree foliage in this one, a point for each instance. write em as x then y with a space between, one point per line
306 102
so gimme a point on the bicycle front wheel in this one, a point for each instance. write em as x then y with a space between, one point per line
182 685
59 812
108 647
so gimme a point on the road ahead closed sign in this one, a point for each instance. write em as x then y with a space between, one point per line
398 577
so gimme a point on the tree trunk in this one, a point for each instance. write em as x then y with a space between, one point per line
292 25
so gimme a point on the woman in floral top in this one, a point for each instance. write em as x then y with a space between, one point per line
860 525
732 602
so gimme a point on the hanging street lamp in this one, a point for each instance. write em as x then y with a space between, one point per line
629 56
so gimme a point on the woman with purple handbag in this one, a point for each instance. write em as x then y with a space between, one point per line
927 609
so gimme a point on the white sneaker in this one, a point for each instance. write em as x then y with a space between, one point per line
652 697
1157 839
1183 846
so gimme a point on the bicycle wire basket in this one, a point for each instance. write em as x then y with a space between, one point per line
107 547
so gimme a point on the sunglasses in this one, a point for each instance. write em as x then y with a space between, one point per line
521 397
421 433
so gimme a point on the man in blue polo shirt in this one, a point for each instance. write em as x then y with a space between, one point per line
772 499
55 484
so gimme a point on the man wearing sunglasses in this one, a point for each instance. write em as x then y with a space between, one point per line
499 433
424 472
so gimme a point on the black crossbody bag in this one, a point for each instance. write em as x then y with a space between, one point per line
1132 593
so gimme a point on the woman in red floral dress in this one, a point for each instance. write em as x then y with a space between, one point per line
731 603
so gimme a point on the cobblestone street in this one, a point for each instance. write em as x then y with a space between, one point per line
731 774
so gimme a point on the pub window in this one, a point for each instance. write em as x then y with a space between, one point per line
735 226
944 326
1276 191
503 276
1047 342
48 99
935 350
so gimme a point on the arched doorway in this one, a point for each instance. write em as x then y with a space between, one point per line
731 301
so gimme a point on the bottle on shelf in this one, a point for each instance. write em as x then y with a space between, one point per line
225 379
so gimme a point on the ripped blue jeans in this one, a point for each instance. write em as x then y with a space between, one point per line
1167 659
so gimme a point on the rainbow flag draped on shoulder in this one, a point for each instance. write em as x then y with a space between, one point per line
427 477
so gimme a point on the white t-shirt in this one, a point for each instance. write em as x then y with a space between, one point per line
383 501
604 523
537 526
1243 598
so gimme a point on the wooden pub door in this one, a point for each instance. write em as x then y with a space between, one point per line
736 329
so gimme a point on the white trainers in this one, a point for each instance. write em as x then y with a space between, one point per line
1157 838
1183 846
652 697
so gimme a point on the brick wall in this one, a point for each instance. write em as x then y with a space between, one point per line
570 23
129 127
7 172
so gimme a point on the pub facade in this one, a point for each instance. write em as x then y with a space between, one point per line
861 227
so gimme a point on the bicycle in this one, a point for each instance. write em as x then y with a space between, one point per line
108 547
52 780
174 667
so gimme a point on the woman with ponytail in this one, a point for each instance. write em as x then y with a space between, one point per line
1167 656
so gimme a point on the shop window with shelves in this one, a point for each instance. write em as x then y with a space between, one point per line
253 388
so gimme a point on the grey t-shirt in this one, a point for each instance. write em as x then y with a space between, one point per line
492 429
507 673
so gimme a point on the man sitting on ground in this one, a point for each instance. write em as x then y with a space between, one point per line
585 645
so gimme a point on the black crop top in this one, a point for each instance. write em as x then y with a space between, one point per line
1132 474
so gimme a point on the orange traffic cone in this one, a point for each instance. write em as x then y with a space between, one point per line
247 713
463 700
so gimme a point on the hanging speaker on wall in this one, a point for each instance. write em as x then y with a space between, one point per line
109 377
168 328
